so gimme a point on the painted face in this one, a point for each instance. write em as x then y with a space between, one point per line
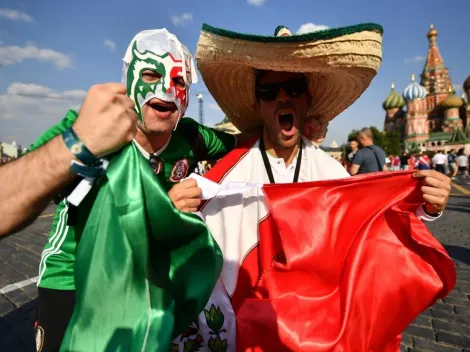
159 54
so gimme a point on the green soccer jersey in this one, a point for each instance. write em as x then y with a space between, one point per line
189 144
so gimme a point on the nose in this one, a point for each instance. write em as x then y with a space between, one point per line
282 96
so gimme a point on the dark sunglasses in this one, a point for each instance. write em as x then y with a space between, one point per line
156 164
293 88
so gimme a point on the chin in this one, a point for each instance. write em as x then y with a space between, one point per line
289 143
159 127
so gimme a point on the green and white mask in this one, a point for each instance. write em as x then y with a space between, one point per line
159 51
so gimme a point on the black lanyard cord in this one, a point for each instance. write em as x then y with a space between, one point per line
267 165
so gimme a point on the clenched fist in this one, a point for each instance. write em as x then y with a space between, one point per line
107 119
315 129
186 195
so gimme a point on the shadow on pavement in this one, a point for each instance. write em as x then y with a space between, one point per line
460 254
17 329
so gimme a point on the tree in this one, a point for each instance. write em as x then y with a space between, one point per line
388 141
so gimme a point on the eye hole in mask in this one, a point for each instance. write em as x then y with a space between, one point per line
149 76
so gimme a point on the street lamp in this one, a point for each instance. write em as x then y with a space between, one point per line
201 108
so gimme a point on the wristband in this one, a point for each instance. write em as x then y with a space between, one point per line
76 146
87 171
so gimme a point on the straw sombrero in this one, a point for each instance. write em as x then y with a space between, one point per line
339 64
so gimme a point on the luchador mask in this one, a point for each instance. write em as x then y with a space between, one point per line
159 51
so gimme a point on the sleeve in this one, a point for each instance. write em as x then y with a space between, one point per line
332 168
358 157
421 215
218 143
54 131
209 143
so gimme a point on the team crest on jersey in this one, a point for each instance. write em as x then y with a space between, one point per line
179 171
39 338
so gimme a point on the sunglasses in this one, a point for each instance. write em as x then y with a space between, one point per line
156 164
293 88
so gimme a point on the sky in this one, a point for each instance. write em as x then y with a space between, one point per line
58 49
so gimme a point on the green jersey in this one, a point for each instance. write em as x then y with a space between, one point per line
189 144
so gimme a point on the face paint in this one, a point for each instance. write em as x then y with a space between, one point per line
162 53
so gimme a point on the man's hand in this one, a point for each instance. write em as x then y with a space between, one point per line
107 119
436 190
186 195
316 129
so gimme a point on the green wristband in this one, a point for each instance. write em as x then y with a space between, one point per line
76 146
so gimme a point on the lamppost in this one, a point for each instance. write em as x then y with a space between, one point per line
201 108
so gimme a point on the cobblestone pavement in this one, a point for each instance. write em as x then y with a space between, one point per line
443 328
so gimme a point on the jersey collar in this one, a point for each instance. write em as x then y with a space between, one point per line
147 154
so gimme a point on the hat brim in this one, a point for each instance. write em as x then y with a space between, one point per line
339 64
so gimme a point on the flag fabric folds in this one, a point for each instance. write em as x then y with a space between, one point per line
341 265
144 270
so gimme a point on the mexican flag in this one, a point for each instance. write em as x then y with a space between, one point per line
337 265
144 270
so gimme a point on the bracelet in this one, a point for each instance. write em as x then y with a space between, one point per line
87 171
76 146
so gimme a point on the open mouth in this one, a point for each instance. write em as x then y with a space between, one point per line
286 121
162 106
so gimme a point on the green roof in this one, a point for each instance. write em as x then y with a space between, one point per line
439 136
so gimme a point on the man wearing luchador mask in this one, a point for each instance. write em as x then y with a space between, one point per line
158 71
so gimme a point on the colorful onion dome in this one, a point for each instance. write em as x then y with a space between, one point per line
394 100
452 101
414 90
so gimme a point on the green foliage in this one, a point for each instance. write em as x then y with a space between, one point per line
388 141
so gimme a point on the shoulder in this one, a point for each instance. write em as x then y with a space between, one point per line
377 148
188 123
325 159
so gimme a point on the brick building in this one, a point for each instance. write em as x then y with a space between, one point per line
429 115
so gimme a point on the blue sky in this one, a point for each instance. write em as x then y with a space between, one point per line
61 48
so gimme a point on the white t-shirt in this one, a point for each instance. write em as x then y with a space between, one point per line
463 161
440 159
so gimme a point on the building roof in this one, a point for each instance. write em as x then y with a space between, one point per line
393 100
439 136
414 90
452 101
435 65
466 84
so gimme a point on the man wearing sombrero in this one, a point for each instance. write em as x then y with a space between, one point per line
309 266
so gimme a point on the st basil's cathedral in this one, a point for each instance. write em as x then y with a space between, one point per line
435 118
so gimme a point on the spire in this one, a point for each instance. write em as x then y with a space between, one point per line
435 76
393 85
413 77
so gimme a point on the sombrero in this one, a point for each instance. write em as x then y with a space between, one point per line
339 64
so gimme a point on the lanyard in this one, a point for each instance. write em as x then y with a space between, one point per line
267 165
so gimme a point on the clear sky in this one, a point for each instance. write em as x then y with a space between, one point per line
60 48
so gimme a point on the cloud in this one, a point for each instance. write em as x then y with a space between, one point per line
33 109
110 44
10 55
311 27
15 15
256 2
182 20
36 90
414 59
